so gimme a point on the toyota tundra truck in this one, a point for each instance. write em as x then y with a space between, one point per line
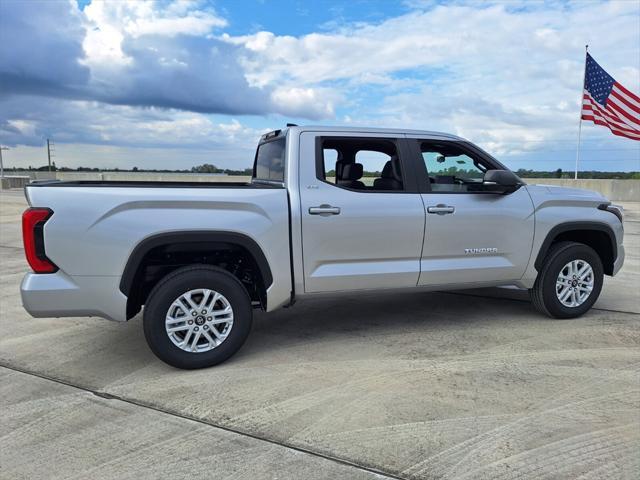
328 209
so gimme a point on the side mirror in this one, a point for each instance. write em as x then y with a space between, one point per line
500 181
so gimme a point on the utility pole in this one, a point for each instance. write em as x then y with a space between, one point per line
1 164
50 151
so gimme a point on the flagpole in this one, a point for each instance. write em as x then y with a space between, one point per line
584 77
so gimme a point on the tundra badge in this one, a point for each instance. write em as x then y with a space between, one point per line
480 250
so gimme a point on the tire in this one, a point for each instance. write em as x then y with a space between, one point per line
167 308
545 292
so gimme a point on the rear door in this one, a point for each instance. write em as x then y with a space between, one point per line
362 228
471 238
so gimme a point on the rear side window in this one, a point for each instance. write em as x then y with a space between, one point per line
270 158
363 164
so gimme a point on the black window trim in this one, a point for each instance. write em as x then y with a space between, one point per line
406 157
422 173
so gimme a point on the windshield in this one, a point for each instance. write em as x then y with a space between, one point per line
270 160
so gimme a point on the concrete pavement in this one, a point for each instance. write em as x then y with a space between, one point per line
415 385
52 431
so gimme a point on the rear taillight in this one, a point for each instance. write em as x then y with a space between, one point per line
33 220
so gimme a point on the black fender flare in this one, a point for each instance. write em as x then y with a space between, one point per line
571 226
197 236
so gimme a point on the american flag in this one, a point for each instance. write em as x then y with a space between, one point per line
606 102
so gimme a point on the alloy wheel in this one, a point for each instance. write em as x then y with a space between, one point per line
199 320
574 283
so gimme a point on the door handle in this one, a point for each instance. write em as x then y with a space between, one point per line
441 209
324 210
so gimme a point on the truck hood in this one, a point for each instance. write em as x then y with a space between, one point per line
556 195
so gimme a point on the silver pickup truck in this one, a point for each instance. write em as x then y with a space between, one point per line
328 209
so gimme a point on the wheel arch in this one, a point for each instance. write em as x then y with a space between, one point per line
206 241
598 235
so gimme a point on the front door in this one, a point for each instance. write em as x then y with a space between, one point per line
471 237
362 217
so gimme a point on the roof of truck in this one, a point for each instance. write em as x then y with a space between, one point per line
397 131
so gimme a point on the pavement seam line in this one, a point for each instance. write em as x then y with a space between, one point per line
449 292
109 396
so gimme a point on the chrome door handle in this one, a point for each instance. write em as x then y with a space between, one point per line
441 209
324 210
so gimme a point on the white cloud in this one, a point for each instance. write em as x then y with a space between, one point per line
510 74
109 23
301 102
454 37
81 121
139 53
148 73
147 138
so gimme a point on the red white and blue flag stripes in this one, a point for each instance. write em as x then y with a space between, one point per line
606 102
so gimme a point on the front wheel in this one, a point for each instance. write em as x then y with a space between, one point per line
569 281
197 317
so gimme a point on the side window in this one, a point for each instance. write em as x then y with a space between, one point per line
361 164
451 169
269 162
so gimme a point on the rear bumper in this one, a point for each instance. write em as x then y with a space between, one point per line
60 295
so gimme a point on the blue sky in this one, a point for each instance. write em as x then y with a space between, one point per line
293 17
171 84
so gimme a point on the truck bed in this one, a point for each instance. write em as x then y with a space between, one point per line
96 225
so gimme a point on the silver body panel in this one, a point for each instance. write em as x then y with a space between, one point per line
488 237
555 205
379 240
94 230
61 295
375 241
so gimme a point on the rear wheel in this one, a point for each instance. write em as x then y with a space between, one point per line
197 317
569 282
